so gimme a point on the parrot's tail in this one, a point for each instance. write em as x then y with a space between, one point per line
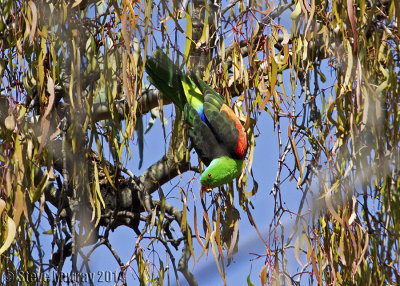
166 77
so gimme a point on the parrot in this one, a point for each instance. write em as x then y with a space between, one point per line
215 131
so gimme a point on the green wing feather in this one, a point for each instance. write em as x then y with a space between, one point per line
202 137
222 126
205 88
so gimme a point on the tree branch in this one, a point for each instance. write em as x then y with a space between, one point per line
150 99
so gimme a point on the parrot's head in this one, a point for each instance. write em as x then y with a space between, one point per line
221 171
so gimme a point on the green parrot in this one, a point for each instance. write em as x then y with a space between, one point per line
216 133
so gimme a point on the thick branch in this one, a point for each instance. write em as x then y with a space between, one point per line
148 100
161 172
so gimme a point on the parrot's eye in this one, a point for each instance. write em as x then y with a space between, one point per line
209 175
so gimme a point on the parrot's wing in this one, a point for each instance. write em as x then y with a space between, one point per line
225 125
206 145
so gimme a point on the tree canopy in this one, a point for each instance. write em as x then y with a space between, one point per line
75 101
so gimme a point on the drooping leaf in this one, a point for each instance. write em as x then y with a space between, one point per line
11 231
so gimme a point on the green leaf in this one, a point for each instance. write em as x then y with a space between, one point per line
49 232
322 76
385 83
188 32
249 283
273 75
38 190
349 64
98 196
162 211
206 29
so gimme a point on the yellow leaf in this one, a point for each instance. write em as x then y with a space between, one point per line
93 206
196 231
188 32
2 205
309 250
99 197
273 76
11 230
218 234
37 192
235 235
296 12
98 210
385 83
205 36
341 249
189 239
153 219
136 52
50 89
263 274
297 250
9 122
305 49
286 36
34 21
76 3
314 266
208 231
96 174
19 204
49 232
349 64
214 250
328 200
250 159
222 49
162 211
353 213
100 148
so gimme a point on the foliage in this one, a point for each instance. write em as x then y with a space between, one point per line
352 237
72 103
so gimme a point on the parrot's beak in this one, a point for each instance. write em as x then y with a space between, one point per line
206 188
